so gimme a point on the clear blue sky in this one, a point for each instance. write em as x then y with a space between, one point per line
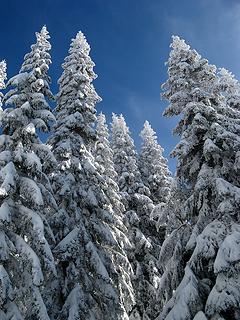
130 43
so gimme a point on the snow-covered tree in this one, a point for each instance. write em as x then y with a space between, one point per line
3 77
104 158
142 230
26 199
230 87
208 160
171 260
125 159
153 166
90 258
169 215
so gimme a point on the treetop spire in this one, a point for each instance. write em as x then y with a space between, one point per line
3 73
178 42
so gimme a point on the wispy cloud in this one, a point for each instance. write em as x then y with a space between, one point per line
141 108
210 26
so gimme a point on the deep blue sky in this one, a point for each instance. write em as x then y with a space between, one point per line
130 43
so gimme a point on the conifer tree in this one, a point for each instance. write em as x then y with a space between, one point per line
26 199
141 228
88 251
208 159
153 166
104 158
3 77
176 233
230 87
129 177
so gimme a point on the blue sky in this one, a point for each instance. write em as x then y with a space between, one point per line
130 43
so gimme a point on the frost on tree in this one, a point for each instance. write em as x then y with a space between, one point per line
169 215
3 77
171 260
88 249
230 88
142 230
208 160
153 166
104 158
26 199
129 177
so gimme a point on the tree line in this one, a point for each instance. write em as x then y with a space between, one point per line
92 229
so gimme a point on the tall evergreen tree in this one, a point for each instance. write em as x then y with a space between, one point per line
230 87
153 166
88 249
141 228
3 77
176 233
26 198
129 177
208 159
104 157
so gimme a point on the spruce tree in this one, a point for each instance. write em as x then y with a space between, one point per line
230 87
142 231
26 198
104 158
176 233
129 177
3 77
88 251
153 166
208 159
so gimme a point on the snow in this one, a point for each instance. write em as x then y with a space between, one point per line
25 190
200 316
89 228
5 212
208 242
3 74
96 261
17 80
225 295
30 128
67 245
208 103
6 286
228 253
33 162
27 252
7 175
30 191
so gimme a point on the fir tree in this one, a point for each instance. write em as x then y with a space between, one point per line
26 199
85 226
129 177
3 77
208 159
141 228
153 166
230 87
104 158
176 233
